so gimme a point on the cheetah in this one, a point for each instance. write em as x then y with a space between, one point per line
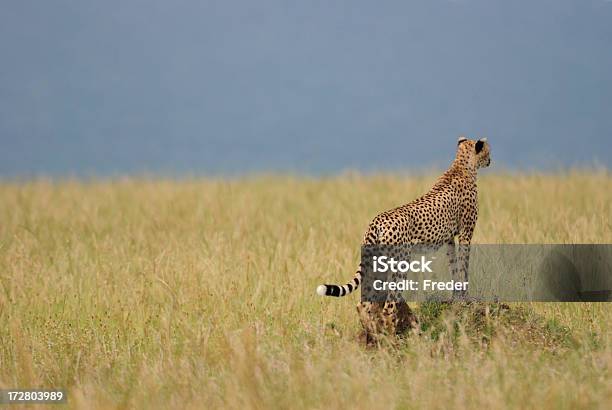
448 210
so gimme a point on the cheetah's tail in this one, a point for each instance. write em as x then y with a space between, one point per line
340 290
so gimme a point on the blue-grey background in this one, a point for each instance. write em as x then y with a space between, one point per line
228 87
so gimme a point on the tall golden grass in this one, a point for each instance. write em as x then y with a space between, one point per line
150 293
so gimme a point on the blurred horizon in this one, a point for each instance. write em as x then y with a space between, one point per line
192 88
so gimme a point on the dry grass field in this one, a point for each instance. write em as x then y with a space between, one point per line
151 293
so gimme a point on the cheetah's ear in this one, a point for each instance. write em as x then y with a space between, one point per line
479 144
461 139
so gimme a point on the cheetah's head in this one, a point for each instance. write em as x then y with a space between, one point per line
477 152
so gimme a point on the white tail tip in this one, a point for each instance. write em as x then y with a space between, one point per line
321 289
